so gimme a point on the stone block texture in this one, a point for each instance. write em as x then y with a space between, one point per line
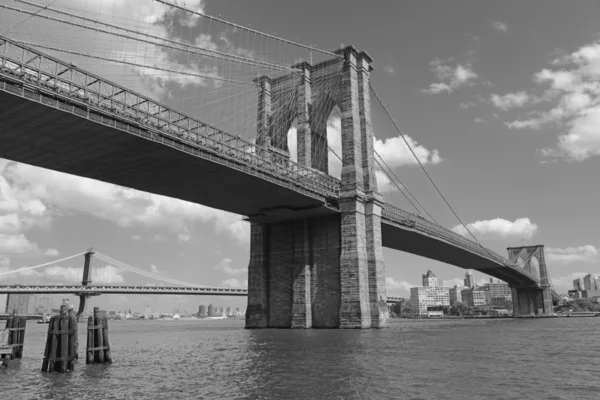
324 272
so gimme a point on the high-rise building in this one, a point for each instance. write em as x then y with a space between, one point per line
220 313
469 279
430 295
43 305
455 294
147 312
473 297
18 302
202 311
228 311
211 310
589 283
429 279
578 284
597 282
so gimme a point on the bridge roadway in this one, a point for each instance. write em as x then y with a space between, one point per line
57 116
97 290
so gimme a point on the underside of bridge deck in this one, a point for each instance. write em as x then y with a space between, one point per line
46 137
416 242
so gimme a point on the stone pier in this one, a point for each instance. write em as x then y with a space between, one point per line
327 271
531 300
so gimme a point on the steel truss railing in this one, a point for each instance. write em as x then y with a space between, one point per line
95 290
399 216
97 97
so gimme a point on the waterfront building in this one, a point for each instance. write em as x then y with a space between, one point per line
589 282
228 312
19 302
578 284
202 311
455 294
211 310
469 279
147 312
429 279
499 294
43 305
429 295
473 297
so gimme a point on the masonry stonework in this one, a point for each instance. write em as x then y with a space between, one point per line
324 272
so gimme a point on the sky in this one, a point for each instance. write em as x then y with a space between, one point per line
500 100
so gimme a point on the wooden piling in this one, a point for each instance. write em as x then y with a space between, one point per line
16 325
89 358
60 344
98 347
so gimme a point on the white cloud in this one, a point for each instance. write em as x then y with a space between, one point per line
400 287
499 228
105 275
183 238
123 206
136 238
225 266
500 26
586 253
388 69
478 120
466 105
396 153
52 253
453 282
16 244
234 283
450 78
575 84
155 270
510 100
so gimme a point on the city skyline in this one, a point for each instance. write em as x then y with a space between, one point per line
463 97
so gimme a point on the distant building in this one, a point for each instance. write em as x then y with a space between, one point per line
578 284
428 296
211 310
500 294
147 312
589 282
19 302
202 311
455 294
469 279
429 279
228 312
43 305
474 297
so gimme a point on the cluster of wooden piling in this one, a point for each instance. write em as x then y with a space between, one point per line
61 344
98 346
15 325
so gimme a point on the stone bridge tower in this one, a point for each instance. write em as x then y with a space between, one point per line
325 271
529 300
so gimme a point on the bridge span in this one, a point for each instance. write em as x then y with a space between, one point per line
58 116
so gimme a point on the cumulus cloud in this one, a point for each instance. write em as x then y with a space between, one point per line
105 275
499 228
509 100
388 69
396 153
586 253
399 287
225 266
16 244
234 283
574 83
123 206
450 77
500 26
453 282
52 253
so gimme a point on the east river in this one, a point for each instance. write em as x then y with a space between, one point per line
444 359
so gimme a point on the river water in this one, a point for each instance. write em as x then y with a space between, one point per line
443 359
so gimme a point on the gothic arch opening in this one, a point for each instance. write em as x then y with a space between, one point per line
534 267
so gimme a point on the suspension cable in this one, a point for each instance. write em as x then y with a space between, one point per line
26 19
421 164
405 187
41 265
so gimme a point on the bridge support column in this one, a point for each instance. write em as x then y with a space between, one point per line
529 301
85 281
326 272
